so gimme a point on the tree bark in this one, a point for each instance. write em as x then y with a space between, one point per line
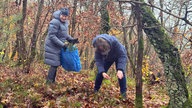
42 38
161 12
34 38
74 18
124 31
104 17
20 42
170 58
131 56
104 23
138 78
86 58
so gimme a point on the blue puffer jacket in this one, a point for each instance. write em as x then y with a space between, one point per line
57 34
117 54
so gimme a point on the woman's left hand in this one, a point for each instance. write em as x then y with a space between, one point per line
73 41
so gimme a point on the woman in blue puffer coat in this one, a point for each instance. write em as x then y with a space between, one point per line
57 35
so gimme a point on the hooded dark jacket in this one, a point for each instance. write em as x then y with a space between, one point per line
116 54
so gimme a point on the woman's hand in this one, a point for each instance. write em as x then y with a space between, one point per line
119 74
105 75
65 46
73 41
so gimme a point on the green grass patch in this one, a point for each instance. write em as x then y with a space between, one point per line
92 75
131 82
106 82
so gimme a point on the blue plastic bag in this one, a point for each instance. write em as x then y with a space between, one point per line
70 60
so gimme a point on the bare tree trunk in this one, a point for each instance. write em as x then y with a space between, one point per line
42 38
86 58
190 39
104 17
74 18
152 3
138 78
161 12
96 6
4 36
18 2
131 56
124 31
34 38
20 42
4 4
104 23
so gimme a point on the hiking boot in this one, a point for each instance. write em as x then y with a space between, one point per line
49 82
123 96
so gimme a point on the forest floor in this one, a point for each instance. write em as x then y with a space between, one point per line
72 90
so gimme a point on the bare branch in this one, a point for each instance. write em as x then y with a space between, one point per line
151 5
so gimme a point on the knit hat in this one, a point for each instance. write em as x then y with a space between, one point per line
64 11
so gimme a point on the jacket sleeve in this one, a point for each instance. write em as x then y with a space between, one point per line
122 56
53 30
121 62
99 62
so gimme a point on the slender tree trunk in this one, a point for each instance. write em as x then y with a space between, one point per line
170 57
152 3
18 2
42 38
4 36
42 42
190 39
34 38
4 4
161 12
96 6
104 17
148 47
20 42
131 55
86 58
138 78
124 31
74 18
105 27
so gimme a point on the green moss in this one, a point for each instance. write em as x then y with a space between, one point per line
76 104
139 101
187 104
1 106
169 56
131 82
106 82
141 44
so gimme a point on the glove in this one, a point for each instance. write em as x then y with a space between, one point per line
73 41
65 47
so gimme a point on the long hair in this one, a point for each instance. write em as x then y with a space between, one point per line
102 46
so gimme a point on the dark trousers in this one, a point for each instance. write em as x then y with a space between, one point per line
99 79
52 73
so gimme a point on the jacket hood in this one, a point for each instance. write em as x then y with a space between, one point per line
57 14
107 37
